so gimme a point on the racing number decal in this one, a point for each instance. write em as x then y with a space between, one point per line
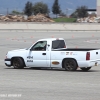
30 59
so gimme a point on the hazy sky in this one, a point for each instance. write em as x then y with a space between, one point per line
71 5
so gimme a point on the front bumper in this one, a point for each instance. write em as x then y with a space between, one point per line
8 62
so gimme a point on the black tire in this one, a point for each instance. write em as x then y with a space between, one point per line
70 64
85 69
18 63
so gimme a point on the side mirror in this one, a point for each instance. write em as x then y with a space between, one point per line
31 49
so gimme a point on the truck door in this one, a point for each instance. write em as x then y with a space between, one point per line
38 55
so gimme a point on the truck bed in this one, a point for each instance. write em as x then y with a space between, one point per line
76 49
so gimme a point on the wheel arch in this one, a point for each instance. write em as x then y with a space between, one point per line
17 57
69 58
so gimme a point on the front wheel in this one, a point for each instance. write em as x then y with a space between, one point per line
70 65
85 69
18 63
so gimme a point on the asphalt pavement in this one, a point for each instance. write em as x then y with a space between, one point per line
48 84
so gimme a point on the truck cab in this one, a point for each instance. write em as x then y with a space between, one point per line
39 54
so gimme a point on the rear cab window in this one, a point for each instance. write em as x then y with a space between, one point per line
56 44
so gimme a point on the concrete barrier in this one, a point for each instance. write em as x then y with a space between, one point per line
49 26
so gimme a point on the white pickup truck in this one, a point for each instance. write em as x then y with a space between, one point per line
53 53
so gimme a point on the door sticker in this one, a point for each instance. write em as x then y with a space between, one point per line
67 53
30 58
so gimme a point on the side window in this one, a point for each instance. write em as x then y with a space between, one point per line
40 46
58 44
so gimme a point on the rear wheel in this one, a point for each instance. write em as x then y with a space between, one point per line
70 65
18 63
86 69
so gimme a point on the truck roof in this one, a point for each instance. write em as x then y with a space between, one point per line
52 39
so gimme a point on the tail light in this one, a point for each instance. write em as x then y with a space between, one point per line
88 56
64 46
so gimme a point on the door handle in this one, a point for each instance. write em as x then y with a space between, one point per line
43 53
96 53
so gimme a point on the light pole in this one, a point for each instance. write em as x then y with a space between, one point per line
7 11
66 12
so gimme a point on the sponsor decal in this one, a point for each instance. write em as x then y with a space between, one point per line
62 53
55 62
67 53
71 53
74 53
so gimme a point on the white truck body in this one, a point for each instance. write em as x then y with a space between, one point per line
54 57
